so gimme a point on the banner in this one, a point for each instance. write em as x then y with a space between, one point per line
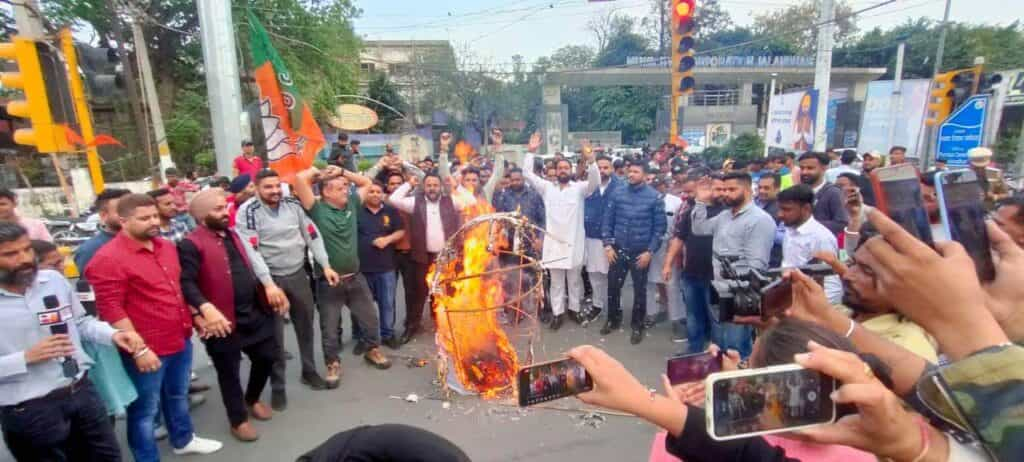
292 135
791 120
875 121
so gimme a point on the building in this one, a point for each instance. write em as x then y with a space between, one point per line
730 97
410 65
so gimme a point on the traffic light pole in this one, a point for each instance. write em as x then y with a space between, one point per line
929 143
92 155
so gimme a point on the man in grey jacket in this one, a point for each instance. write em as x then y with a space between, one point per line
279 229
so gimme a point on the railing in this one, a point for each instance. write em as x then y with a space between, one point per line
715 98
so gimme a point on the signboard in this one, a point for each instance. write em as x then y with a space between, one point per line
353 117
878 106
413 147
694 137
962 131
726 61
608 139
791 120
1014 87
718 134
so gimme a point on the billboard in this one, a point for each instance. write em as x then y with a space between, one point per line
791 120
874 126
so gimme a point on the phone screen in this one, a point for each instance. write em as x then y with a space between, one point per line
903 197
965 215
776 298
692 367
770 402
552 380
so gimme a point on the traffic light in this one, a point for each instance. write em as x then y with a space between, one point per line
683 60
42 76
103 71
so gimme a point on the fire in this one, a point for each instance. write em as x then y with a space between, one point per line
469 335
463 152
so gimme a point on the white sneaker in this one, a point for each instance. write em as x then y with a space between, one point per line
199 446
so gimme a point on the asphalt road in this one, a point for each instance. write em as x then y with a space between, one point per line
485 430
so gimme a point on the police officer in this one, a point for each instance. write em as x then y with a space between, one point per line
49 409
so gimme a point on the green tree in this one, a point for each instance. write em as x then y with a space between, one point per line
796 23
382 89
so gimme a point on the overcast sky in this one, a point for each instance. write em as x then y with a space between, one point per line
495 30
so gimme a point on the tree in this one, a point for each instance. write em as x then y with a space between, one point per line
382 89
611 25
796 24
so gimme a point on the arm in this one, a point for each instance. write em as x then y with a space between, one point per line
444 169
535 181
704 226
675 247
107 283
188 256
660 223
316 245
259 267
593 180
496 175
303 189
412 169
361 182
401 200
693 443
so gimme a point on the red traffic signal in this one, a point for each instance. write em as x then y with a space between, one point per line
683 10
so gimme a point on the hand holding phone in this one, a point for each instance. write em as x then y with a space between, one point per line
693 367
898 193
768 400
552 380
962 208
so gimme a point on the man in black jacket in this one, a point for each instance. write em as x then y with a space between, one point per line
632 228
341 155
829 200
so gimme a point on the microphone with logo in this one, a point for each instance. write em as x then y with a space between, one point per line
68 363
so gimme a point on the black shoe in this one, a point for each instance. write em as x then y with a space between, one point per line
637 336
610 326
393 342
196 387
589 316
649 322
556 323
314 381
545 317
576 317
409 334
360 348
278 400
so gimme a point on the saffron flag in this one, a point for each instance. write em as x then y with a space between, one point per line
292 135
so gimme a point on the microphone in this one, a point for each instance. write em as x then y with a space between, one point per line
68 363
86 296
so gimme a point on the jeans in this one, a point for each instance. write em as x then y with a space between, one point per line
167 388
732 336
626 262
74 427
697 295
226 354
382 287
355 294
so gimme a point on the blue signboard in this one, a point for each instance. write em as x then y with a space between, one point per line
962 131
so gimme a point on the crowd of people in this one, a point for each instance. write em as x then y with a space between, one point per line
237 261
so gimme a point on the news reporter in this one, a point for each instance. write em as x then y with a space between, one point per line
44 412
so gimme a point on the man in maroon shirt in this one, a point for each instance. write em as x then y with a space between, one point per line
248 163
136 279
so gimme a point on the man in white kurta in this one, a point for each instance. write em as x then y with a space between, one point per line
674 298
564 245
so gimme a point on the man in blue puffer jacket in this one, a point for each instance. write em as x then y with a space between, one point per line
632 228
596 262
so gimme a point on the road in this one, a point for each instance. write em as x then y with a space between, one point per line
485 430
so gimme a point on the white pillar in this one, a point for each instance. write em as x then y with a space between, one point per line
823 71
222 83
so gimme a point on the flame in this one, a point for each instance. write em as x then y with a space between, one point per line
463 152
469 335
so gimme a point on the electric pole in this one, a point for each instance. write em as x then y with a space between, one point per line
896 101
149 92
823 71
142 128
928 141
223 90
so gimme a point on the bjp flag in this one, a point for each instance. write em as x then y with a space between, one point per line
292 135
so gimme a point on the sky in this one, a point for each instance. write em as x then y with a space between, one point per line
494 30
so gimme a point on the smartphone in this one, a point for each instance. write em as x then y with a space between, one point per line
769 400
776 298
898 194
692 367
961 206
552 380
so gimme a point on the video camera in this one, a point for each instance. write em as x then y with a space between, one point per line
744 294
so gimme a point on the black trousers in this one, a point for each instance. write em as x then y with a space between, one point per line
226 354
297 287
626 263
414 279
72 427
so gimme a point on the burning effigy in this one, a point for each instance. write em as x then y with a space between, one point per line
484 276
